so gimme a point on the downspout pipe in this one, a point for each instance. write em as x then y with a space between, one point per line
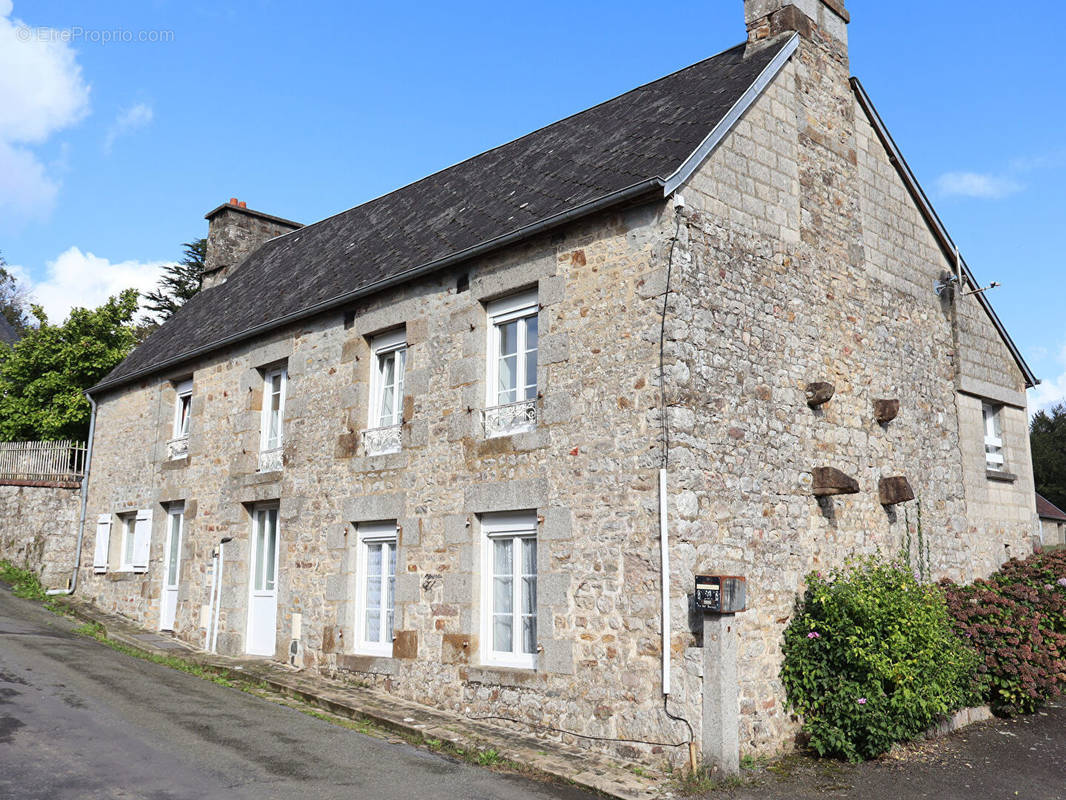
73 583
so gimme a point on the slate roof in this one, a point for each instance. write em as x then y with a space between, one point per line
610 153
1045 509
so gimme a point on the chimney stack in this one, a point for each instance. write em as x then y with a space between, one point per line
824 22
234 232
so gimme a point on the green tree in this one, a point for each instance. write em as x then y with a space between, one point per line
43 378
14 299
1047 437
179 282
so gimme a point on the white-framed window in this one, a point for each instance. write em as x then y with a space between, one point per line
275 385
993 437
375 615
509 589
136 541
178 446
175 523
265 548
389 357
182 409
510 403
129 539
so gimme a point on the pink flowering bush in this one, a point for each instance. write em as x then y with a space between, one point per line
871 659
1017 622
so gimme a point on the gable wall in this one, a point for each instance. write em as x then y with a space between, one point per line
804 261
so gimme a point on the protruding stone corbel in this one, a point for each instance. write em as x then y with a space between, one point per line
886 410
829 481
893 490
819 393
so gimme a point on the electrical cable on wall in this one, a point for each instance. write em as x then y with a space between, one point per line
664 426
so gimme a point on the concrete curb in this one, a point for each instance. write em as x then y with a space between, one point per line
554 759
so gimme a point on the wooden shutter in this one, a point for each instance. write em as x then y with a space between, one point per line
103 543
142 540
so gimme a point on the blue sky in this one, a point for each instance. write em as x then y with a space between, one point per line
112 151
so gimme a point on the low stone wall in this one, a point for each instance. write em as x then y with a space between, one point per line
39 529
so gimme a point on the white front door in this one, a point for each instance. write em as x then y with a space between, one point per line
168 601
263 597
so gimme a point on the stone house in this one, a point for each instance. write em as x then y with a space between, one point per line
1052 522
422 443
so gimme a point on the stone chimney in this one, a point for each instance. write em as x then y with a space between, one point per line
824 22
233 232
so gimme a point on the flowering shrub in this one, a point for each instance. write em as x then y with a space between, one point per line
1017 622
871 659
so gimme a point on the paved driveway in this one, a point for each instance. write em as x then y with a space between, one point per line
78 720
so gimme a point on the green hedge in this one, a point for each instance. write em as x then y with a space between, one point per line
871 659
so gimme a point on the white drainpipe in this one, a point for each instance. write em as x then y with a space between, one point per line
84 499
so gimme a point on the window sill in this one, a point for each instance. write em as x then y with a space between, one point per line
998 475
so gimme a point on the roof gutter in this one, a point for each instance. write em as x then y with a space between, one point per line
934 222
649 188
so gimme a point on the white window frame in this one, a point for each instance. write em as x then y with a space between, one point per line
265 444
993 425
384 534
172 557
517 526
260 513
393 343
182 409
520 306
129 541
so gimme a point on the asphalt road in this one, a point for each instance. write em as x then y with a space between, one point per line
79 720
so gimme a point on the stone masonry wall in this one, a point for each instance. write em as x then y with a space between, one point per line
39 530
801 259
589 470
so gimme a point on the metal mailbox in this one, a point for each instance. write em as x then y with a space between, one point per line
721 594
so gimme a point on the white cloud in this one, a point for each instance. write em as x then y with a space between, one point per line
127 122
976 184
41 92
77 279
26 190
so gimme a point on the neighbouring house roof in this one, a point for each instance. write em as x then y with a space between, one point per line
8 334
1045 509
633 147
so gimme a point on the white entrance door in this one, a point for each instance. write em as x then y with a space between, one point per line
168 601
263 597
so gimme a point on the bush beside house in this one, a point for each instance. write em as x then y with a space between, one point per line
874 656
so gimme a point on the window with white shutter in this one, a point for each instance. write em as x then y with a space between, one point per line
142 540
103 543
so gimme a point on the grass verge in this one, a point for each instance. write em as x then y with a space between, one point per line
25 583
